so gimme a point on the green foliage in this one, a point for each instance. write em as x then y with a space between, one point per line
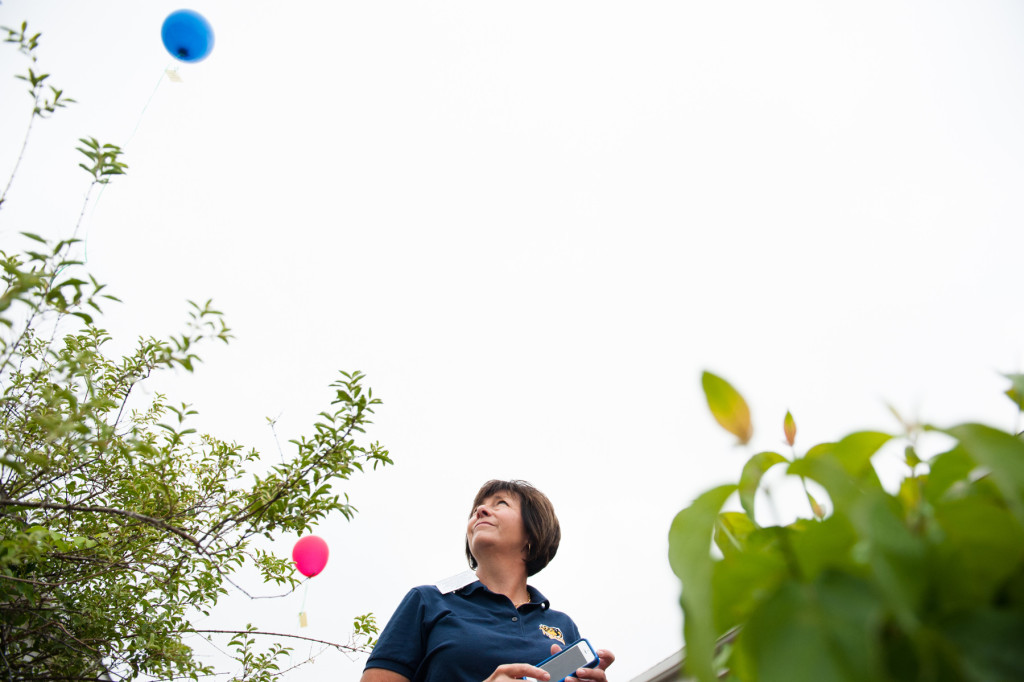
256 666
104 160
43 105
365 626
118 520
923 581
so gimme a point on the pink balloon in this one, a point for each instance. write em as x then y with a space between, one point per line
310 555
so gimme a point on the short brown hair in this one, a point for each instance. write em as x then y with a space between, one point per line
539 521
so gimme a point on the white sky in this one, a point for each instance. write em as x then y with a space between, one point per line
533 225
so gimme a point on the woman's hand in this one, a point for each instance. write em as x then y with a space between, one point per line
515 672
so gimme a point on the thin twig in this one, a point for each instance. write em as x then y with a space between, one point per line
241 589
21 154
343 647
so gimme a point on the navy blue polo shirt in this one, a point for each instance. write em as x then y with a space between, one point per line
464 635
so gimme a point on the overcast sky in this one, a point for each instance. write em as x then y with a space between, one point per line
533 225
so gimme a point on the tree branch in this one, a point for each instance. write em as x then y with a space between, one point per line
105 510
354 649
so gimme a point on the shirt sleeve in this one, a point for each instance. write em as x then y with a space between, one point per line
401 646
574 630
570 632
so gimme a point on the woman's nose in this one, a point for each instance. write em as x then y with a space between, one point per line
482 510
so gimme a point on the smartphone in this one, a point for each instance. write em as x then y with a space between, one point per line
577 655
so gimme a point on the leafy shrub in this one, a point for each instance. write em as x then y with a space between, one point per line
921 581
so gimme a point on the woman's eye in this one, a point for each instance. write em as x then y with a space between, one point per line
503 502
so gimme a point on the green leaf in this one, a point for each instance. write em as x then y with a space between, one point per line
983 545
856 450
1002 454
750 479
820 545
898 558
37 458
727 407
989 643
1016 390
910 456
690 558
731 532
910 494
14 464
825 468
824 631
945 471
743 580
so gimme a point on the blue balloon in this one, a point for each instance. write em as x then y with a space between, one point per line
187 35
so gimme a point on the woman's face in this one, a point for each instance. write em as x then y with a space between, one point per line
497 524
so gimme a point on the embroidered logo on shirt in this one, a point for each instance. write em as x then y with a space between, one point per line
553 633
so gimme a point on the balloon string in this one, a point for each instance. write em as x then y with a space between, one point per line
103 187
304 594
159 82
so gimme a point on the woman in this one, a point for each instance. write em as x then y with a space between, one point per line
496 627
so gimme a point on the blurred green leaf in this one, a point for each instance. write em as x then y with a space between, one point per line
750 479
690 558
728 407
12 463
742 580
983 546
731 531
856 450
947 470
898 558
910 456
819 545
826 469
1016 390
988 643
1002 454
910 495
813 632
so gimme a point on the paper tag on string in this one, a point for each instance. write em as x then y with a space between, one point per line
303 622
172 74
455 582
